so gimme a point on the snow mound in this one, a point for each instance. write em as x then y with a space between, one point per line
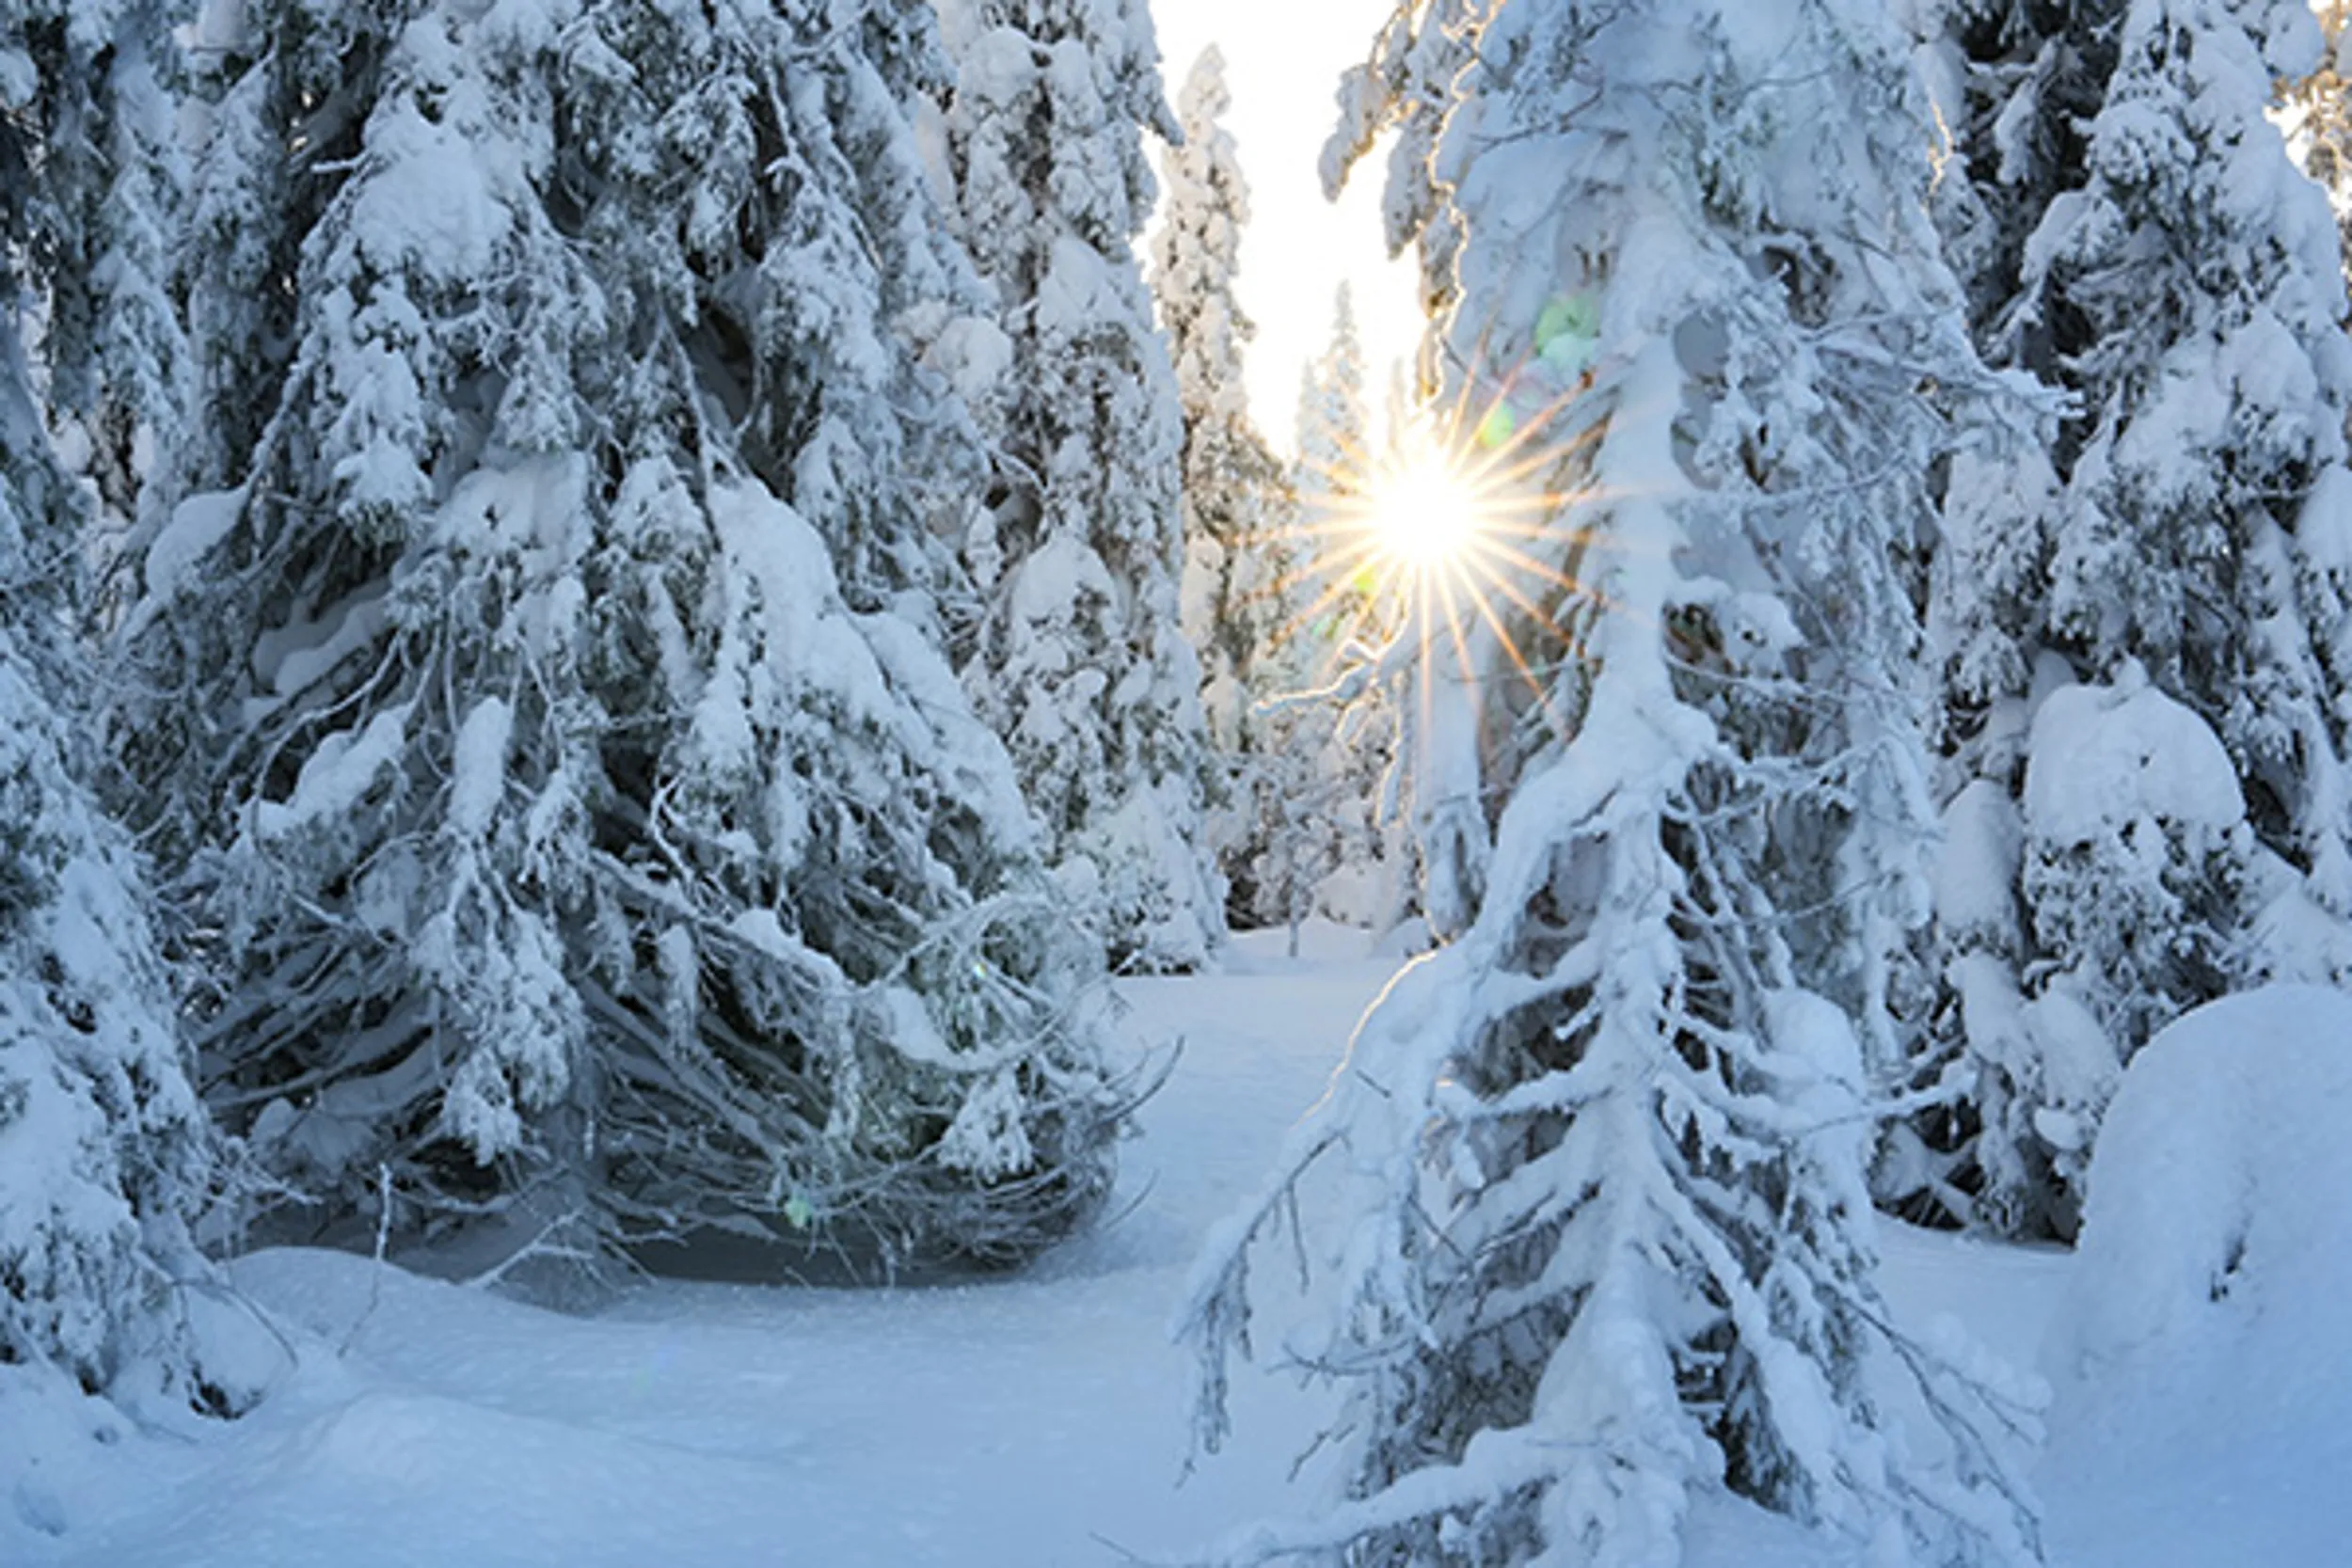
2217 1213
2199 1363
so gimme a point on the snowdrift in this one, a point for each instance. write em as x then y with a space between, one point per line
2199 1356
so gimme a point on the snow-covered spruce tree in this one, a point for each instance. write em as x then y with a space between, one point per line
114 349
1227 469
1082 664
541 701
1333 422
1344 624
1243 566
2016 84
1603 1157
103 1152
354 708
2161 593
1407 88
2207 534
2319 118
845 989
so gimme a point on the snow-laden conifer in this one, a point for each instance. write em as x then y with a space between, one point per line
114 348
2151 589
1333 424
1407 88
2016 84
1229 475
543 702
1343 623
1604 1155
2205 524
1244 579
349 732
104 1154
1080 663
2318 118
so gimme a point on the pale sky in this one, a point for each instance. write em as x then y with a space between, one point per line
1283 60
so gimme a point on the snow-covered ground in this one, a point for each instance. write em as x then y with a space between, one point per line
1029 1422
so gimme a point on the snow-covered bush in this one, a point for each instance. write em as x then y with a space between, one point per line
1081 662
2131 818
542 697
1610 1242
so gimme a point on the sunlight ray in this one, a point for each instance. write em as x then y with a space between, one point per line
1537 688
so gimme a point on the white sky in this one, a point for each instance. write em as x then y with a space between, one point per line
1283 60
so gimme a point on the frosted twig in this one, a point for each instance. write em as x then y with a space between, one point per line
383 1240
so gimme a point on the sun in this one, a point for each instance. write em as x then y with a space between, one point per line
1450 556
1423 514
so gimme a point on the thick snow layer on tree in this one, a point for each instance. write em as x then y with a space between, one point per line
1975 872
2105 756
197 525
342 769
1025 1422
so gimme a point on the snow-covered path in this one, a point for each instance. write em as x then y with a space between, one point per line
1027 1422
1022 1423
